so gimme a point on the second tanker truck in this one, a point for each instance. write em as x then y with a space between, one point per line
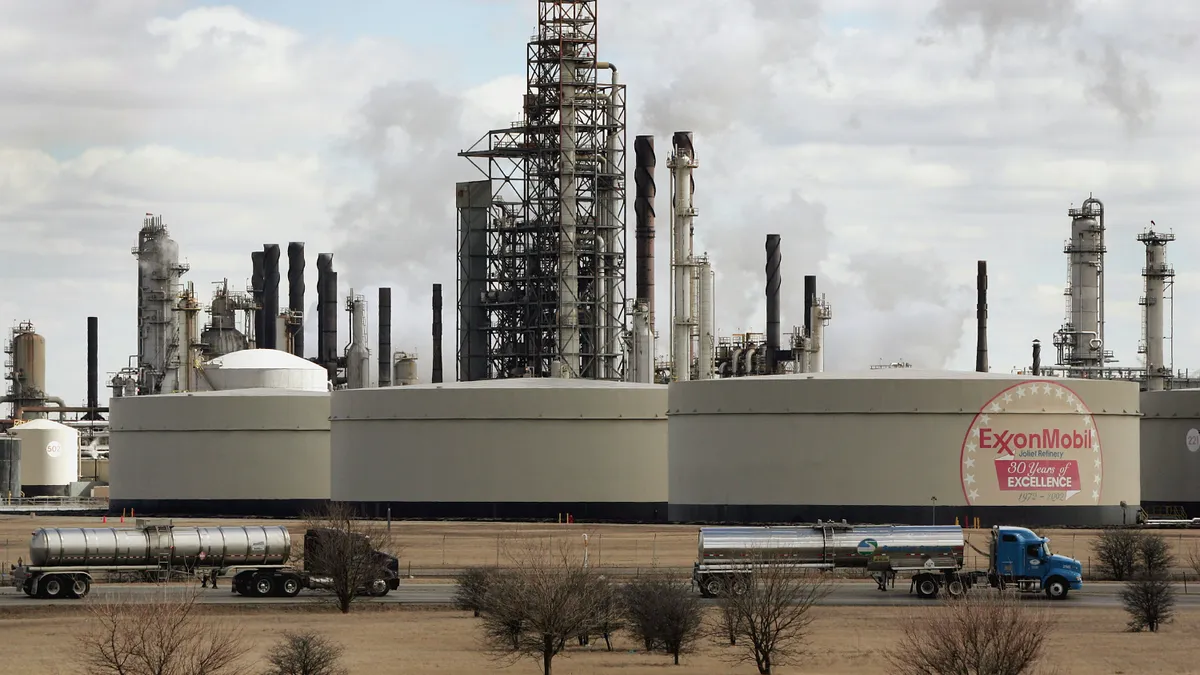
934 555
63 561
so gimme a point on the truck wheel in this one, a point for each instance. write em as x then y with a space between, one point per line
80 587
713 586
263 585
379 588
955 588
927 586
291 586
54 586
1056 589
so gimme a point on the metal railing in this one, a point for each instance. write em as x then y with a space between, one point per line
23 504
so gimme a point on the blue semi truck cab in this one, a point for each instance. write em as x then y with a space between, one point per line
1021 560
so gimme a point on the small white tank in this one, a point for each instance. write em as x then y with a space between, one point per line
49 457
262 369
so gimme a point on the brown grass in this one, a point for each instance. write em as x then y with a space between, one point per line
845 641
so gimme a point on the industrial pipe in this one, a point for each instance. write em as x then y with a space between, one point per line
774 282
437 334
385 337
296 296
1037 358
810 300
981 346
256 293
327 313
643 208
270 296
93 368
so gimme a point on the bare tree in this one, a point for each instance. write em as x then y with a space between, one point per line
164 636
546 599
664 613
1117 551
1194 559
771 609
353 556
980 634
472 588
1150 602
727 625
610 615
305 653
1154 554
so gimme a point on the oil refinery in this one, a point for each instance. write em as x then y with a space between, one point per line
561 397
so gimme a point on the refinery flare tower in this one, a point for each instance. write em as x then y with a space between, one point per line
541 239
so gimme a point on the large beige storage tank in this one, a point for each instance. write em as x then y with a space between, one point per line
262 368
49 458
250 452
1171 450
904 446
509 449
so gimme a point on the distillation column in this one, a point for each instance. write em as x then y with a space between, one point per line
357 355
1157 274
568 255
1081 339
706 348
682 162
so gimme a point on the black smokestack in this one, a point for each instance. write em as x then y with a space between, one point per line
1037 358
810 301
327 313
385 337
296 295
93 366
774 282
256 292
643 207
981 355
270 296
437 333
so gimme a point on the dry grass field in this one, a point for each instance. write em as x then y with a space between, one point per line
430 546
848 641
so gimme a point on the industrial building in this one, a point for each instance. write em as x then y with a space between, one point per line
258 449
904 446
1170 449
527 448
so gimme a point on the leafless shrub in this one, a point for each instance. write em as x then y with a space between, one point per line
164 636
771 609
305 653
472 588
1116 550
728 624
664 613
1194 559
981 634
352 554
544 600
1149 600
1154 554
610 616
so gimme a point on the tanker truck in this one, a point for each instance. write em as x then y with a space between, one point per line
1018 558
63 560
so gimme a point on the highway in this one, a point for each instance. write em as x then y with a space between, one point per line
845 594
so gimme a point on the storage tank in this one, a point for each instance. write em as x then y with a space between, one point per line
247 452
530 448
1170 445
10 467
904 446
262 368
29 358
148 545
49 457
404 369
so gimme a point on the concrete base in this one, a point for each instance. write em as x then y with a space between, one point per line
1064 516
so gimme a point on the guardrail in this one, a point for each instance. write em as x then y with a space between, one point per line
52 504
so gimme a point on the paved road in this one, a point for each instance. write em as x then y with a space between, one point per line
844 595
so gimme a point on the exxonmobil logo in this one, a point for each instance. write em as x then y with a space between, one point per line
1007 441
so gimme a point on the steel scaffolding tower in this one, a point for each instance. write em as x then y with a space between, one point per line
542 264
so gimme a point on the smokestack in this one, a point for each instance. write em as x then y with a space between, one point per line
93 368
270 296
774 282
385 337
981 355
1037 358
296 295
437 333
256 292
810 301
327 313
643 207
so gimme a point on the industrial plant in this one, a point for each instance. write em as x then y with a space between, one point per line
562 398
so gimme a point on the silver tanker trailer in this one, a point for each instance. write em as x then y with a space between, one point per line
934 554
63 560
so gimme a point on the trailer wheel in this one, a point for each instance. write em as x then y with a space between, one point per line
263 585
80 587
955 588
54 586
291 586
1057 589
927 586
713 586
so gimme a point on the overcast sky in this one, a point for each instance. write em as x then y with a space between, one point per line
891 144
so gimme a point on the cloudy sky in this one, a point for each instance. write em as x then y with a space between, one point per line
891 144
